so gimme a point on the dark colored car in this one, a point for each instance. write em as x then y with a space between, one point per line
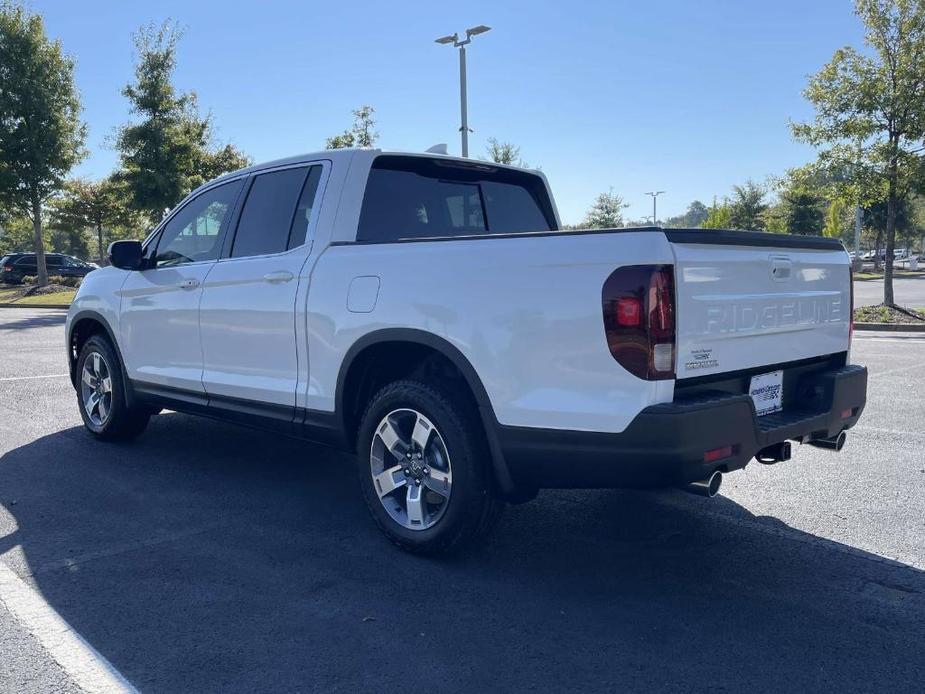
15 266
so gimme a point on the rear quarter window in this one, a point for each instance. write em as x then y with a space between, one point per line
420 197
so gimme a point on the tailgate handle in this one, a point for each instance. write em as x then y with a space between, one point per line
780 269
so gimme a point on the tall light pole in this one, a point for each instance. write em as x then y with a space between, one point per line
655 195
463 106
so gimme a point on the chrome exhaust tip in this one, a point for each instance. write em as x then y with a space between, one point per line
836 443
708 487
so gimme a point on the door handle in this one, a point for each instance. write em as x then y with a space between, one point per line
277 277
188 284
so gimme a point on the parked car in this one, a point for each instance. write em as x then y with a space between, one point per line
16 266
430 315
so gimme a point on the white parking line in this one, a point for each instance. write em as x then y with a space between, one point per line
30 378
80 661
918 337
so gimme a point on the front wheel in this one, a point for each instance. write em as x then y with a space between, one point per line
101 396
422 466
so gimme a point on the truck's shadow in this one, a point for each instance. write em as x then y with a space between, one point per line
205 557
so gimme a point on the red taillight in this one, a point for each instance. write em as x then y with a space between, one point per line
639 322
629 311
717 454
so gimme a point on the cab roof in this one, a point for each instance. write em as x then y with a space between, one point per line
348 153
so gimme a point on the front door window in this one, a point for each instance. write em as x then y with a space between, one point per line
194 234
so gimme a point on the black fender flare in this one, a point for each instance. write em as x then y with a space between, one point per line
127 389
444 347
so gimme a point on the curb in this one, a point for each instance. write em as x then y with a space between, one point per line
895 277
64 306
892 327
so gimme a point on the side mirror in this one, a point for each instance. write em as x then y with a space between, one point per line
126 255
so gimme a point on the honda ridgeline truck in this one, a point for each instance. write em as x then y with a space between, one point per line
429 314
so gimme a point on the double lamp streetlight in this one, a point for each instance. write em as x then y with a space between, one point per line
455 41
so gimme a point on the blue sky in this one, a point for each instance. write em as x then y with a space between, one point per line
682 96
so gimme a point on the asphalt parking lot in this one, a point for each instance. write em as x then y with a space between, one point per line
205 557
909 291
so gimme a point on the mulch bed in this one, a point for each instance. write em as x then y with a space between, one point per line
32 290
888 314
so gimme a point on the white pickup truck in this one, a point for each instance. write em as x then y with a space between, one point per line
428 314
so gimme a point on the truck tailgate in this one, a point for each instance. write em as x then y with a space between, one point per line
756 300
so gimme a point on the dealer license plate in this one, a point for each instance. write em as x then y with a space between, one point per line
767 392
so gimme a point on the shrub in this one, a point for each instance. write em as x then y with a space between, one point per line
56 279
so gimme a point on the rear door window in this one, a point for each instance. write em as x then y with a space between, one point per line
419 197
271 212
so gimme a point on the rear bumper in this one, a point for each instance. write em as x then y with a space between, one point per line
665 444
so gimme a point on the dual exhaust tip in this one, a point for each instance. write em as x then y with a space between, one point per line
709 487
836 443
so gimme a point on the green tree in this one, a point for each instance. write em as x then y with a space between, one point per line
41 134
606 212
748 206
876 218
15 234
215 163
719 216
503 152
870 108
169 151
98 205
696 214
801 207
361 134
803 211
69 240
839 219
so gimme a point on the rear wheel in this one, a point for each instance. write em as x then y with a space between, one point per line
101 396
422 465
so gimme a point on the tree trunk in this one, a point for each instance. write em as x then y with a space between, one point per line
891 205
99 240
42 278
877 246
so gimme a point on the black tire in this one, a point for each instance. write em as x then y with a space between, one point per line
121 423
473 507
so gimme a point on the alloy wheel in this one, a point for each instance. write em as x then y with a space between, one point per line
410 468
96 389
